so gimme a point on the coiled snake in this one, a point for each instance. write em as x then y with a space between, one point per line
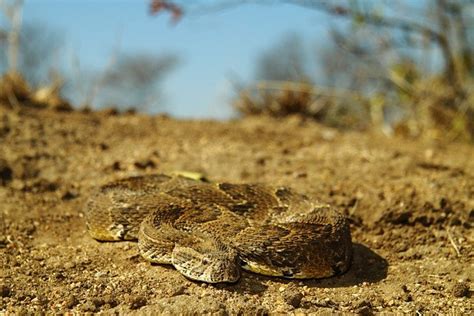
208 231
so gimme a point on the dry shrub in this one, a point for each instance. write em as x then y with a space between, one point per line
280 99
278 104
437 110
49 97
431 107
427 106
13 89
15 93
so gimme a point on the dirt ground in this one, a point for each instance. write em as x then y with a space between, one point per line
411 206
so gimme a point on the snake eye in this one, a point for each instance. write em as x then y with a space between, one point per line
205 261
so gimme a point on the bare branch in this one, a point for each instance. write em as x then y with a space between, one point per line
14 14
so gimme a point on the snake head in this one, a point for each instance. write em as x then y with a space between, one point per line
216 266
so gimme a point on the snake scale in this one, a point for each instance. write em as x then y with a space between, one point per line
209 231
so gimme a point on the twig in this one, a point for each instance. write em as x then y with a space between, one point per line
451 240
354 208
13 100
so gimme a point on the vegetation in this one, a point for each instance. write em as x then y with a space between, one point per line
397 67
391 67
32 60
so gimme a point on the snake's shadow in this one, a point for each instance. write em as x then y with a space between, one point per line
367 266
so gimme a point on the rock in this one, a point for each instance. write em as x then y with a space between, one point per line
293 298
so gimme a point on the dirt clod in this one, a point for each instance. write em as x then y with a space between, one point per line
89 306
71 301
461 289
5 290
6 173
293 298
364 311
144 164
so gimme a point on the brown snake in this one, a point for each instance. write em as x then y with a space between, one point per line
207 231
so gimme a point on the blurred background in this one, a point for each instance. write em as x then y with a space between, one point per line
397 67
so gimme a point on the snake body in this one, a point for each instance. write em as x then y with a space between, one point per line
208 231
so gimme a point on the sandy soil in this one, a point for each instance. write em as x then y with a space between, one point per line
411 206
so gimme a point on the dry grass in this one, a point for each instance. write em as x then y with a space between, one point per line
339 108
15 92
436 110
430 108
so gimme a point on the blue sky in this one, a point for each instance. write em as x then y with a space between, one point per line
212 47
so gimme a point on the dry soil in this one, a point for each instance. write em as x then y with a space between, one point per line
410 203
